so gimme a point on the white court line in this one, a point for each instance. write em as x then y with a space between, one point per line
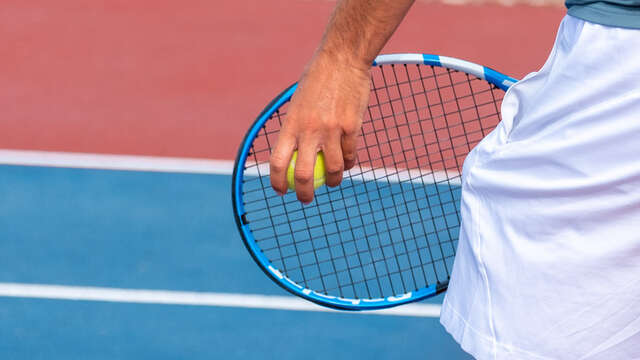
425 176
115 162
251 301
194 165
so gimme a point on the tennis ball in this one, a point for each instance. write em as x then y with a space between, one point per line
319 172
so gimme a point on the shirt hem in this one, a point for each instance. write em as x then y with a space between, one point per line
480 345
609 16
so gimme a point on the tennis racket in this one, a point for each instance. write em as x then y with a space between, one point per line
388 234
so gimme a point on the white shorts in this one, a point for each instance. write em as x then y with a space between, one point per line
548 263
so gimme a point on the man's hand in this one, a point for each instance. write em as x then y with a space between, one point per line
325 114
326 110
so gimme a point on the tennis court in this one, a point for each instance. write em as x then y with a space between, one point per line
136 255
144 230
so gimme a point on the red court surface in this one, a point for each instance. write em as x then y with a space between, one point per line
186 78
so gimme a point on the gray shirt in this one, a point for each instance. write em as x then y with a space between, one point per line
618 13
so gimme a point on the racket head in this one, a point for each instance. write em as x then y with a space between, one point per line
251 186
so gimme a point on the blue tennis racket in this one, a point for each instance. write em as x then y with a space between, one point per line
387 235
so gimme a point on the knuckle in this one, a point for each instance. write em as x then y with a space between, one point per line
277 163
277 184
276 167
349 156
303 177
334 169
332 126
349 163
350 128
349 131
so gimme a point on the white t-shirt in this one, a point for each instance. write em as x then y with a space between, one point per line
548 262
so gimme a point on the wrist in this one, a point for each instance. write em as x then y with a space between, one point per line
343 59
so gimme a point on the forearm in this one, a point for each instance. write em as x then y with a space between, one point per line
359 29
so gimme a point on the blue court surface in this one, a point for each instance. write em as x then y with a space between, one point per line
171 232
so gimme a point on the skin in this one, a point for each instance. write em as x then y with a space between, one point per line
326 110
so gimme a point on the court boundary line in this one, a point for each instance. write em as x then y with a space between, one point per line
115 162
187 165
193 298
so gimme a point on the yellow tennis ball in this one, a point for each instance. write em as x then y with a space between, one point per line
319 172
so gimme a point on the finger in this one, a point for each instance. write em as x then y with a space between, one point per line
303 173
279 161
334 162
349 142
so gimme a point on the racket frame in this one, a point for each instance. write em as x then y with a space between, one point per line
502 81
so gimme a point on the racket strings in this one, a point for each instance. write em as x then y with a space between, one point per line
422 261
361 225
443 115
322 201
482 131
414 94
434 76
379 105
392 226
332 211
355 227
449 188
398 171
268 210
399 176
